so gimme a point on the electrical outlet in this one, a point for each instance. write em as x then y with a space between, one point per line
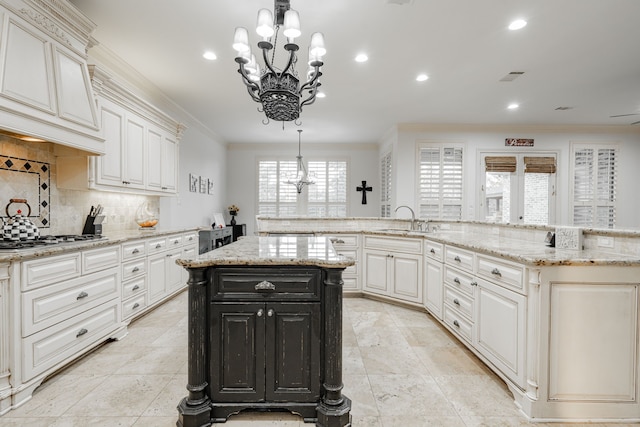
606 242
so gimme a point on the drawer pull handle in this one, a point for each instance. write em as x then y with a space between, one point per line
136 305
270 312
190 238
158 245
474 283
457 258
82 294
456 280
260 312
175 242
135 270
433 251
135 288
456 302
265 286
81 332
135 251
496 272
456 324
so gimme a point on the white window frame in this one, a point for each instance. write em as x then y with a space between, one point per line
302 200
441 202
594 202
517 184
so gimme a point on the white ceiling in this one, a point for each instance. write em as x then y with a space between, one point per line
583 54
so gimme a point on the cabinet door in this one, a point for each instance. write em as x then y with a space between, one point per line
169 165
134 153
187 253
173 271
376 272
500 322
110 171
293 352
237 352
156 276
407 277
154 160
433 287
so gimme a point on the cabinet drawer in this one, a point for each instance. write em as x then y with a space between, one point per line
134 287
133 306
434 250
458 324
458 279
174 241
349 253
277 284
343 240
52 346
350 283
100 259
134 268
393 244
458 302
45 271
49 305
460 258
131 250
156 245
501 272
190 238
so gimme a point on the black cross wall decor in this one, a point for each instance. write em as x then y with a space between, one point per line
364 190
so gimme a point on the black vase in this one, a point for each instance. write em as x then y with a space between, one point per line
233 217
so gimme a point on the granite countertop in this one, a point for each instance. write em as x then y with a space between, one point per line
280 250
108 239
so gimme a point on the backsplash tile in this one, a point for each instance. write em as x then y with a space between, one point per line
29 180
67 208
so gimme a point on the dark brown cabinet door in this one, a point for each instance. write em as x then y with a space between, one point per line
293 332
265 352
237 350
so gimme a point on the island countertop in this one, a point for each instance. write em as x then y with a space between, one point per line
273 250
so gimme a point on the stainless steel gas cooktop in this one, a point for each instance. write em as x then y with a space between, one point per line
46 241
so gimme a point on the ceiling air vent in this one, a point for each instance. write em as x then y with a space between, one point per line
512 76
563 108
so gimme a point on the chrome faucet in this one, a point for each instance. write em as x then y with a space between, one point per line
413 216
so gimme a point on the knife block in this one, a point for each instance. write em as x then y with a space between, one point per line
91 226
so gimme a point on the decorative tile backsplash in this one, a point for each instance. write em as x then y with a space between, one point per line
66 210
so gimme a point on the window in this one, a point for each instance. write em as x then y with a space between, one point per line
594 177
518 188
326 198
440 181
385 185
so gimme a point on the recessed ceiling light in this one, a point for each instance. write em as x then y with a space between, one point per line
209 55
422 77
513 106
517 24
320 95
362 57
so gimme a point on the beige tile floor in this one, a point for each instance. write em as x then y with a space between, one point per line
401 369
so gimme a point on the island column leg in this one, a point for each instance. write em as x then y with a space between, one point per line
334 409
195 409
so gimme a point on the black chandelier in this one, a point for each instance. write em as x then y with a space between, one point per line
280 93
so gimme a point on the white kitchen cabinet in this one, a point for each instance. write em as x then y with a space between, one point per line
395 271
165 277
348 245
46 90
154 159
134 153
500 321
169 164
5 373
433 278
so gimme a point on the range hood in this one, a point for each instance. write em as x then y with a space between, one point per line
45 87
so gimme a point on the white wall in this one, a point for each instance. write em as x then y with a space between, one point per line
484 138
242 161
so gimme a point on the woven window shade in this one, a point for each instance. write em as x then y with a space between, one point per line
539 165
500 163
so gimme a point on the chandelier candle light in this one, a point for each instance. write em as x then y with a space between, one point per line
279 92
302 178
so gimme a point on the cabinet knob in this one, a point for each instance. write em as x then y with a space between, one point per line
260 312
135 270
270 312
81 332
175 242
456 324
82 294
457 258
496 272
136 305
135 251
158 246
456 280
135 288
456 302
265 286
474 283
433 251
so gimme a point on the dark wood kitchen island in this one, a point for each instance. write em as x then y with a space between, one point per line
265 331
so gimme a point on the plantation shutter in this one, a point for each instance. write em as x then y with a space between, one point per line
440 185
385 186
